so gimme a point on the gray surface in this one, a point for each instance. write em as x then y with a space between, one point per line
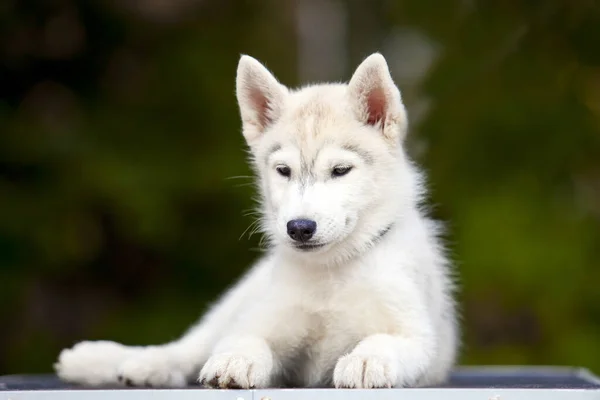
309 394
484 383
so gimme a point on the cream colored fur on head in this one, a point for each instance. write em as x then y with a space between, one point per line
354 290
311 131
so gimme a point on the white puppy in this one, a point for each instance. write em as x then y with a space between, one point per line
354 291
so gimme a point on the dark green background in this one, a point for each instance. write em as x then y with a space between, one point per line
119 130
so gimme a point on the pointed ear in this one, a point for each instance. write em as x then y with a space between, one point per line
376 100
260 97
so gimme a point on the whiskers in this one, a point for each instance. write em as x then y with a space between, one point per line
243 177
253 228
258 223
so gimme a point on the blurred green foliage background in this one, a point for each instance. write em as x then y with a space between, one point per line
120 131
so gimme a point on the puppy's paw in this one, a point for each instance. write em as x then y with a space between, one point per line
237 371
364 371
92 363
151 367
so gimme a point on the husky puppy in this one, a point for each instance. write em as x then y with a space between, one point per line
354 291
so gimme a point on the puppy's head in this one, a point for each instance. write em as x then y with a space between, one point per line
329 157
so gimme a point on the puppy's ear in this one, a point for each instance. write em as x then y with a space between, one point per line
260 97
376 100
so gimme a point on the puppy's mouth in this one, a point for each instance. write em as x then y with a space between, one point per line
309 246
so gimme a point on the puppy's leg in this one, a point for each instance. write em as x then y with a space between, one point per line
400 359
241 362
384 361
264 339
170 365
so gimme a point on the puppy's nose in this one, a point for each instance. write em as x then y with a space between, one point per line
301 230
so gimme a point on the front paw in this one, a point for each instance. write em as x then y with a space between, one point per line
92 363
364 371
153 367
237 371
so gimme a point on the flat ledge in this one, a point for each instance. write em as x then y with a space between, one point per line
481 383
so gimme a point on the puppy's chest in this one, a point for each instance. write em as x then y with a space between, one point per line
352 310
335 321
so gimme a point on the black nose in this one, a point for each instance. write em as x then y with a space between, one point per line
301 230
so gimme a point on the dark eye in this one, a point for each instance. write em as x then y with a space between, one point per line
284 170
340 171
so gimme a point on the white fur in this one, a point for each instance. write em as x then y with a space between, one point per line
370 308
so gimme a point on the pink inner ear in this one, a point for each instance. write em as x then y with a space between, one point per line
260 103
376 106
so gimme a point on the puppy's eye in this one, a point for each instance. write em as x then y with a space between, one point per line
284 170
340 171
